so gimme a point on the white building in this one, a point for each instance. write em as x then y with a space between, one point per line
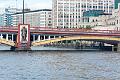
111 22
36 18
114 20
68 13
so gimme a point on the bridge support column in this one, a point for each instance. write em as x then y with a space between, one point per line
113 48
59 36
48 37
7 37
12 37
33 37
54 37
44 37
1 36
101 46
38 37
116 47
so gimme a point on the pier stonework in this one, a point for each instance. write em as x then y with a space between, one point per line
118 47
23 38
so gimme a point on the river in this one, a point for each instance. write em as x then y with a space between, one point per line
65 64
59 65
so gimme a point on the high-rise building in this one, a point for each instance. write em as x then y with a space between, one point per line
68 13
36 18
116 3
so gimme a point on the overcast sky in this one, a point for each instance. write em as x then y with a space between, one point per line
32 4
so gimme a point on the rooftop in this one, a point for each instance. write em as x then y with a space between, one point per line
30 11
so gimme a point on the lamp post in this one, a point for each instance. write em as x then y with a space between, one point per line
23 12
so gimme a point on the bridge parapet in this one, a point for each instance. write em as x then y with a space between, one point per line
68 30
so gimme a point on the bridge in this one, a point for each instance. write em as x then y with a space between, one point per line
36 36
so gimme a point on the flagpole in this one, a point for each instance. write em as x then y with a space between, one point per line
23 12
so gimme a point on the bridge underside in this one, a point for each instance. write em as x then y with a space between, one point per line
104 39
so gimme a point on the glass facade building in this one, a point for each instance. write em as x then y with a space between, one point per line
94 13
116 3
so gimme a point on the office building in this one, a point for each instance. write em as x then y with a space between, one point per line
36 18
68 13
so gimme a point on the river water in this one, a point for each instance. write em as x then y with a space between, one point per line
59 65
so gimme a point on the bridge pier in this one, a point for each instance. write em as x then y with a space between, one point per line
101 46
116 47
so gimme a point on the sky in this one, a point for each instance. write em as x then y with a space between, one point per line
32 4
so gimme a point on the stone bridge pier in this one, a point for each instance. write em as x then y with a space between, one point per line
116 47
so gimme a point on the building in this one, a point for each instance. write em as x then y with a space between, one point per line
68 13
7 16
95 18
114 20
94 21
36 18
1 20
94 13
110 22
116 3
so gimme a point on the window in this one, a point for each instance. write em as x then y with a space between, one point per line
117 21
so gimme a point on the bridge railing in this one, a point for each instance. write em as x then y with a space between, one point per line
58 29
8 28
37 29
106 31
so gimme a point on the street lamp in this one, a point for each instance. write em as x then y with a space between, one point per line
23 12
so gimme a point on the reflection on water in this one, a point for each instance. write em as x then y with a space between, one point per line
53 65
